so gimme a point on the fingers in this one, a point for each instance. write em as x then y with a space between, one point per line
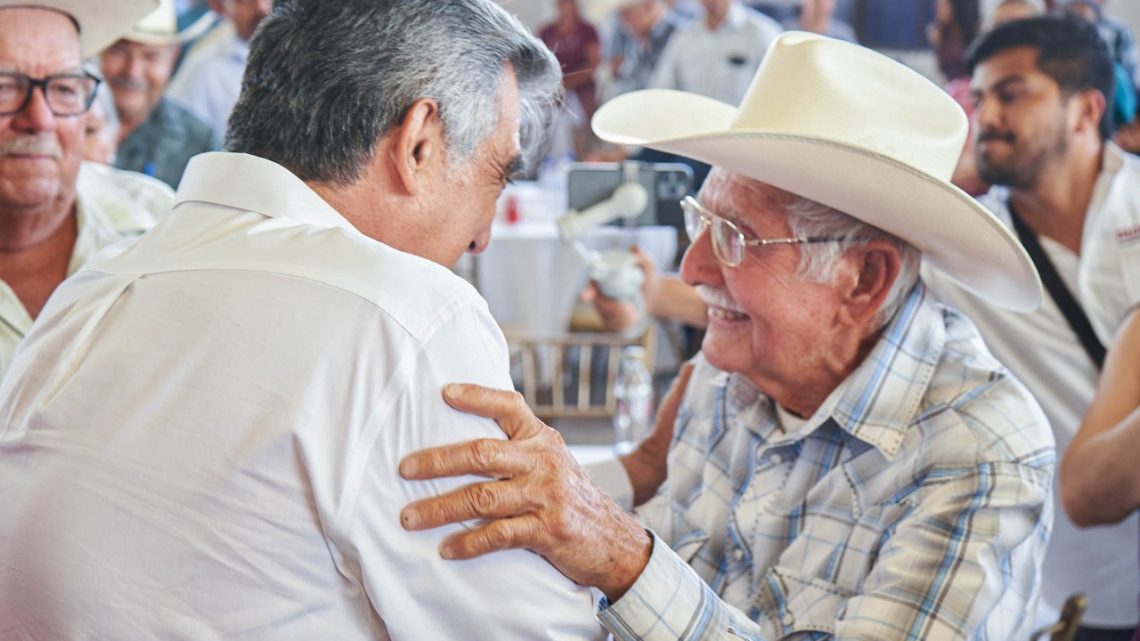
590 293
504 534
495 500
642 260
507 407
484 457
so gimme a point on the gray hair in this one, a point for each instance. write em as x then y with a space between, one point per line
326 79
818 260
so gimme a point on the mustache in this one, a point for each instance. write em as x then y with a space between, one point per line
40 145
985 136
127 83
717 297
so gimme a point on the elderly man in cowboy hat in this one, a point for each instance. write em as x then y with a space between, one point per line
56 212
157 136
847 461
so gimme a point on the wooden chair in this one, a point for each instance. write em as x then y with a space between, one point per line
570 375
1065 629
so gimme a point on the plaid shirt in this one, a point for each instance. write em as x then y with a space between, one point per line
914 504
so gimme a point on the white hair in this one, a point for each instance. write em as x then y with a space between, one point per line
818 261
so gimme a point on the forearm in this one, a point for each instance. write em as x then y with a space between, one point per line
1098 484
645 475
669 602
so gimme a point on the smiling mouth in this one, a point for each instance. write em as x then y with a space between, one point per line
725 314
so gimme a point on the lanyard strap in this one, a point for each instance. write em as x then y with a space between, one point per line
1074 314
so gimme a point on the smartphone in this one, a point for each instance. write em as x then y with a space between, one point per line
589 183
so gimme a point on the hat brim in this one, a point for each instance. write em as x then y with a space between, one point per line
954 232
194 30
101 22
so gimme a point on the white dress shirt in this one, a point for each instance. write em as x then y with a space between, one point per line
1044 352
718 64
110 205
201 434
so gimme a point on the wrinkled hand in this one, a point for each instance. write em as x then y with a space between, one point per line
542 500
617 315
647 465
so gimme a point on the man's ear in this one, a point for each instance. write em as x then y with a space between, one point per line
417 145
877 266
1091 105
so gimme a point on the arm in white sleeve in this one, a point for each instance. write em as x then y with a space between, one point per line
507 595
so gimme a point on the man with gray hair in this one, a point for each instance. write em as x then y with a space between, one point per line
201 433
848 461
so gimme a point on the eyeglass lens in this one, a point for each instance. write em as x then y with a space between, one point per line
727 241
66 95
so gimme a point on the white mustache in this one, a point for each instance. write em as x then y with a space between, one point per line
42 145
127 83
717 298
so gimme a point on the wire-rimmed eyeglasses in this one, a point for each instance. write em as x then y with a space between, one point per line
67 94
728 241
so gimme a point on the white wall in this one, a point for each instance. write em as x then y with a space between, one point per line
533 13
1128 11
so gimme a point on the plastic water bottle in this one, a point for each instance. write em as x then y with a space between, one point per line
633 391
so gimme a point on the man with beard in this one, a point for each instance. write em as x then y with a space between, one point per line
1043 140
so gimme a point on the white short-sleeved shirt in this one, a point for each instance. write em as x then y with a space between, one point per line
200 437
1042 350
717 64
111 205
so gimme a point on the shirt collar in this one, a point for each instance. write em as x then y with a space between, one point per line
878 400
736 17
230 179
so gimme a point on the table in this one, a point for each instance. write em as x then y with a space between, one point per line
531 280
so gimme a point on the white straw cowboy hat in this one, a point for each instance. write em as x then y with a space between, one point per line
100 22
850 128
160 27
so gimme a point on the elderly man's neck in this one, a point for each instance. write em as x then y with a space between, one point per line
35 253
25 228
822 374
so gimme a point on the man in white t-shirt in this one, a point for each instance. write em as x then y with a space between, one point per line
201 432
1044 139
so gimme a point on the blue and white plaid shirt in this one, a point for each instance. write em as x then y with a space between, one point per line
914 504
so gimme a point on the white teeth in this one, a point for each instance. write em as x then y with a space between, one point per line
719 303
725 314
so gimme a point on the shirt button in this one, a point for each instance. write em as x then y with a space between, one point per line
776 459
788 619
738 555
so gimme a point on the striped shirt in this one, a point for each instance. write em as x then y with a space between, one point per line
914 504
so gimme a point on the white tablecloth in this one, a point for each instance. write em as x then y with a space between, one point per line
531 279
